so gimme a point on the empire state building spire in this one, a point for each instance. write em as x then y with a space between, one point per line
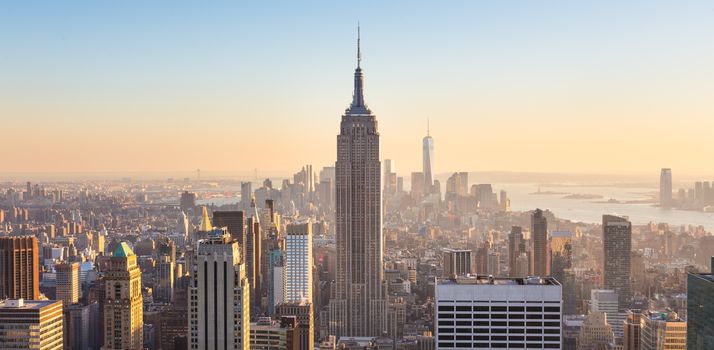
358 106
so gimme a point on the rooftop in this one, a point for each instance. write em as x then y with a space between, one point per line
123 251
26 304
490 280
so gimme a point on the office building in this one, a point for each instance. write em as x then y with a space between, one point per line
457 262
631 339
493 263
617 247
266 334
219 296
246 193
31 324
561 254
123 304
662 331
76 327
700 310
516 246
418 189
164 282
665 188
188 201
233 221
303 311
607 301
480 312
539 233
358 306
252 252
428 161
596 333
19 268
67 283
298 262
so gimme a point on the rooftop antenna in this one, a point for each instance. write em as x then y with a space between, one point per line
427 127
359 52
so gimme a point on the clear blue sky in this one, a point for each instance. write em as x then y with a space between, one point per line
143 82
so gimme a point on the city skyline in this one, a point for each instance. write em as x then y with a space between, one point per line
140 96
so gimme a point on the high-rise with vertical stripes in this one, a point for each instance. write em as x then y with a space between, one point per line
219 296
358 306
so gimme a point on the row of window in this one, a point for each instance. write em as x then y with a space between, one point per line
521 338
497 331
468 308
498 324
539 316
445 345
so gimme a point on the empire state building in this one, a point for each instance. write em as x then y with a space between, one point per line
358 306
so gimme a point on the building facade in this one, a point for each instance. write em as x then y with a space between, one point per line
457 262
31 324
700 310
19 268
298 262
68 282
480 312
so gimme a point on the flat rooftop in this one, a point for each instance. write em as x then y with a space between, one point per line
498 281
8 304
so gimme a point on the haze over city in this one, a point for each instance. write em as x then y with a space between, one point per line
131 87
356 176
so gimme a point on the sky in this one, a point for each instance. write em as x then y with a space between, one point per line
539 86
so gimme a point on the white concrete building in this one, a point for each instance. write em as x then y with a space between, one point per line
219 296
298 262
480 312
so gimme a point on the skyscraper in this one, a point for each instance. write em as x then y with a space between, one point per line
617 245
515 248
662 331
539 230
19 269
123 306
457 262
631 330
67 283
164 283
665 188
246 191
304 313
700 310
428 160
219 294
298 267
233 221
252 251
358 306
